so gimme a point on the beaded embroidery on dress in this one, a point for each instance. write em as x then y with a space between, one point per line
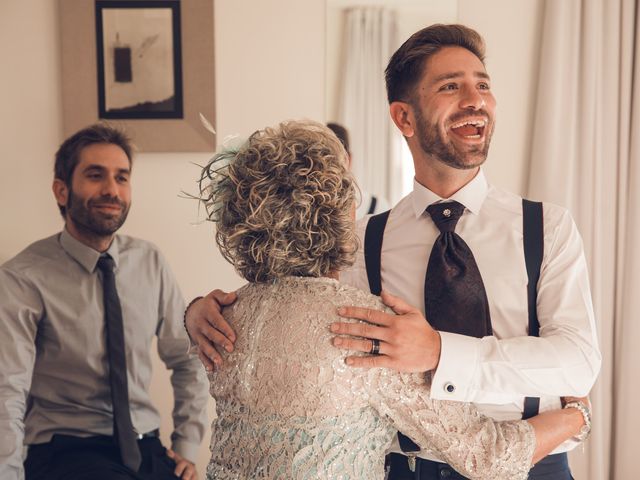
289 408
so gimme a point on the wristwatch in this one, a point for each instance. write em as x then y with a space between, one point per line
584 409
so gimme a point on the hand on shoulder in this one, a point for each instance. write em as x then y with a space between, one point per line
208 329
407 343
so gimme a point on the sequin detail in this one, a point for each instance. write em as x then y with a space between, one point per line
289 408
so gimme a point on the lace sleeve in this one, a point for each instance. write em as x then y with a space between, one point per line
475 445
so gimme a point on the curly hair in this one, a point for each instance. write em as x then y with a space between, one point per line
282 203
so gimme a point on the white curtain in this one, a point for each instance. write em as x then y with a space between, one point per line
586 156
375 145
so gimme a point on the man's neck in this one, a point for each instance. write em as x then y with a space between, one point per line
444 180
97 242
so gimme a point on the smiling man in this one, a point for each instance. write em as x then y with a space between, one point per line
78 312
498 307
456 249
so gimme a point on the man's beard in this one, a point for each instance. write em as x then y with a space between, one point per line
96 224
432 143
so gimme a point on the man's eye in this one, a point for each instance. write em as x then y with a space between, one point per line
484 86
123 179
449 86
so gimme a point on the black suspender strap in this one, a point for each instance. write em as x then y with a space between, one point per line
373 250
372 205
533 239
372 255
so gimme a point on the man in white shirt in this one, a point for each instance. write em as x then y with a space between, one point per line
440 99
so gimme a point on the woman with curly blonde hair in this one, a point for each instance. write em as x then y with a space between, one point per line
287 405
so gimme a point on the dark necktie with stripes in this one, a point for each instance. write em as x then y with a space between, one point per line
123 431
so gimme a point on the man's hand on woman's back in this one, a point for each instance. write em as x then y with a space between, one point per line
208 329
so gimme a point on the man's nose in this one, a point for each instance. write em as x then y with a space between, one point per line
472 99
110 187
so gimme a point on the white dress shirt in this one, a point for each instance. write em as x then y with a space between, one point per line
498 371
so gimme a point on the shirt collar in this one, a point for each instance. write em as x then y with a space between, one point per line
472 195
85 255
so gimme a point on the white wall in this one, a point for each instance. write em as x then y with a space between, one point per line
30 123
270 65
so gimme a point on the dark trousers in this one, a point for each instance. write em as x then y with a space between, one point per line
95 458
552 467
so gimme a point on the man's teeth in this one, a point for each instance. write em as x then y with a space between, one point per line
475 123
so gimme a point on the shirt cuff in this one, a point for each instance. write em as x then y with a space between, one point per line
192 351
185 449
452 379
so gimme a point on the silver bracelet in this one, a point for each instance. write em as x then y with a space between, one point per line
585 430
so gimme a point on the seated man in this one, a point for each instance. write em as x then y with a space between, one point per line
78 312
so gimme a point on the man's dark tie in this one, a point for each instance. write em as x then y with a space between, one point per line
455 298
123 430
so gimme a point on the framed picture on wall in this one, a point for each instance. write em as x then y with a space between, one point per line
139 59
145 65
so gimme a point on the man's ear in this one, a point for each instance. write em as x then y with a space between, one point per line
60 191
402 116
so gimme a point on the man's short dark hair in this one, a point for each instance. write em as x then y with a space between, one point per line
341 133
407 64
68 155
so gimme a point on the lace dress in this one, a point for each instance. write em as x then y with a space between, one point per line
289 408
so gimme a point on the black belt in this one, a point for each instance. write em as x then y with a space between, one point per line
140 436
152 434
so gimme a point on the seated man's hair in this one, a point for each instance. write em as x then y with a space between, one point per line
68 155
341 133
283 203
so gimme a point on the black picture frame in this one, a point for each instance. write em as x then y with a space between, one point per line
126 62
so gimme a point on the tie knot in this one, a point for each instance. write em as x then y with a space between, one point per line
106 263
446 215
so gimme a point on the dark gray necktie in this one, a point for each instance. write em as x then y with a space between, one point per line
123 430
455 298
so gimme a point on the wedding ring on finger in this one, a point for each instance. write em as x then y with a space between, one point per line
375 347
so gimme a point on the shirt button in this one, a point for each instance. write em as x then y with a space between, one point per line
449 387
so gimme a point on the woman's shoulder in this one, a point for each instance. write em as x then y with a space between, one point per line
309 289
360 298
311 301
327 291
